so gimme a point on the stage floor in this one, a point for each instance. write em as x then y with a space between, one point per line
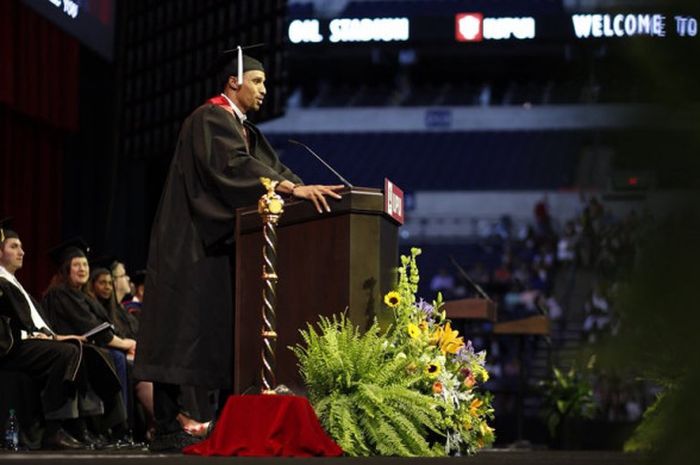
488 457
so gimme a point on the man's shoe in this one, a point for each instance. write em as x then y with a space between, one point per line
62 440
91 440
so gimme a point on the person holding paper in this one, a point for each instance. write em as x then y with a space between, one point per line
69 306
77 381
71 309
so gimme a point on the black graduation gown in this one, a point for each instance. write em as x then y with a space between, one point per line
91 366
71 311
186 324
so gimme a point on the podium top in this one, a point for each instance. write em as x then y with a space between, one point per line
363 200
537 325
471 309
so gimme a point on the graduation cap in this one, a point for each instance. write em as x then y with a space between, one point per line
98 271
233 62
104 261
139 277
68 250
5 229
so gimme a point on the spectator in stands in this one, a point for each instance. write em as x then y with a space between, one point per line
70 309
597 322
76 380
566 247
443 282
543 220
480 275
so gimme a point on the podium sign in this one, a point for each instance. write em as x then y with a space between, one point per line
393 201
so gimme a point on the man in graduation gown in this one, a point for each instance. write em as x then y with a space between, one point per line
187 318
75 380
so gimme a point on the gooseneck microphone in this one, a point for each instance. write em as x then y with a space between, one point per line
342 179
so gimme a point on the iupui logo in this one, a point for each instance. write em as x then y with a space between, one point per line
393 201
469 27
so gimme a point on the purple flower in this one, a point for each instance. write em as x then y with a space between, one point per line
425 307
466 352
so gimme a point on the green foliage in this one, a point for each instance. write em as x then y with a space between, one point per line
361 395
650 430
410 390
567 395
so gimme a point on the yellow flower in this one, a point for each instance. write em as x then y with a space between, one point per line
413 331
482 374
433 370
392 299
474 406
485 430
449 342
435 337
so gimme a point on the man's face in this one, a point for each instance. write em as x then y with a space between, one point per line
11 254
250 95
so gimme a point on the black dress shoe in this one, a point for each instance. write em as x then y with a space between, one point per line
62 440
89 439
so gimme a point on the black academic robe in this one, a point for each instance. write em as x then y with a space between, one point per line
186 324
89 368
71 311
126 324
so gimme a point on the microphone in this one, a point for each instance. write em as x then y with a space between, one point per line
342 179
474 285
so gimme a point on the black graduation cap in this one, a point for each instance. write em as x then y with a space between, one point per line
103 261
234 62
139 277
5 229
98 271
68 250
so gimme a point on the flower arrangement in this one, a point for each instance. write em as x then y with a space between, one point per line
411 390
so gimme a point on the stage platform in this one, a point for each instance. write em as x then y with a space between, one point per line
488 457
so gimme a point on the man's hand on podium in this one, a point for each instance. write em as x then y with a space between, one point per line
317 194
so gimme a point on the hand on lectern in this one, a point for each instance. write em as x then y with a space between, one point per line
317 194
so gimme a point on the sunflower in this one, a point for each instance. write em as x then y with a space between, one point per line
433 370
413 331
450 343
392 299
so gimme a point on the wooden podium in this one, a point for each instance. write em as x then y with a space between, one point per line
327 263
471 309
